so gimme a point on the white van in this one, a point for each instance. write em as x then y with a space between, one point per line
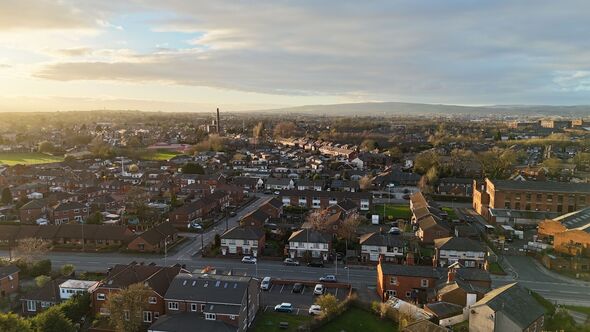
265 284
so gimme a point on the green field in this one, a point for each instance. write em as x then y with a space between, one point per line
358 320
451 212
159 155
27 158
393 211
269 321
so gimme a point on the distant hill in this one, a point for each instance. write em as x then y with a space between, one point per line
396 108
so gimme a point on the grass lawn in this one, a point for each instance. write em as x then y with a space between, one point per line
394 211
269 321
27 158
495 268
450 212
358 320
159 155
584 310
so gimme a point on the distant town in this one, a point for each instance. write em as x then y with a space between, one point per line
132 221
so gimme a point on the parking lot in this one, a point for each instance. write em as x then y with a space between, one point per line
281 291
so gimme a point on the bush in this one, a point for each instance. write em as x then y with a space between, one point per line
42 267
76 307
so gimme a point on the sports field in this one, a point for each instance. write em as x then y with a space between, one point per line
27 158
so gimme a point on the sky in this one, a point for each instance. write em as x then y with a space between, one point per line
196 55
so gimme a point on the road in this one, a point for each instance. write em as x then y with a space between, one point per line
555 288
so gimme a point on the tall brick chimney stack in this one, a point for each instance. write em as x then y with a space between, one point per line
218 123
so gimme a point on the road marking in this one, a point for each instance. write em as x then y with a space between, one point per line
336 292
282 288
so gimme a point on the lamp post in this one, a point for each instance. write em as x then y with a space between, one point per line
166 250
347 273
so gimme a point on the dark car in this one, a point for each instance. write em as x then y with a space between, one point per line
297 288
315 264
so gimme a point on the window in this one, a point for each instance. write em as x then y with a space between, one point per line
549 198
45 304
156 315
152 300
424 282
31 306
390 293
408 294
100 297
203 307
147 316
210 316
193 307
393 280
232 317
126 314
173 305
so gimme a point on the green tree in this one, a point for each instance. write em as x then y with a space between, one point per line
328 303
76 307
554 166
425 161
14 323
6 196
67 270
53 320
95 218
126 307
46 147
497 163
42 280
192 168
395 153
369 145
432 175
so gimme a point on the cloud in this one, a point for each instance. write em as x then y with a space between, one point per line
455 51
42 14
74 51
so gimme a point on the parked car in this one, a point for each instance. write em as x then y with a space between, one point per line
284 307
233 214
315 309
395 230
316 264
249 260
328 278
291 262
319 289
297 287
277 192
196 226
265 284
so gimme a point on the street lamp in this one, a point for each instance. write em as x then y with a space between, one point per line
166 250
347 273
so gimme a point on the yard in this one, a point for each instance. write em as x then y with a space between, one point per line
159 154
451 212
393 211
358 320
495 268
27 158
269 321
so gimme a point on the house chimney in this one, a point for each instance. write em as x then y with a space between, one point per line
410 258
451 275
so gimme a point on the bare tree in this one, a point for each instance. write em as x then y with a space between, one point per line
349 226
366 182
30 249
317 220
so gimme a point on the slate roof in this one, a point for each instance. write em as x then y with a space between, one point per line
347 205
217 290
157 278
243 233
68 206
34 204
412 270
275 202
5 271
542 186
510 300
576 220
382 240
310 236
48 293
182 322
459 244
444 309
158 233
258 215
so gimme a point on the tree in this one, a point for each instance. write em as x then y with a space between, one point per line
425 161
432 175
42 280
6 196
76 306
257 131
285 129
498 136
126 307
192 168
67 270
554 166
369 145
30 249
349 226
316 220
328 303
95 218
366 182
395 153
53 320
14 323
46 147
497 163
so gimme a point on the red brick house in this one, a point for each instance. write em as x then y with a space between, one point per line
69 211
430 229
154 239
8 279
184 215
33 210
157 278
256 218
412 283
273 207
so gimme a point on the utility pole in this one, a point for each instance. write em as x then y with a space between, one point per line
166 250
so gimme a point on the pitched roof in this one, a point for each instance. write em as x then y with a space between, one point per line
542 186
412 270
157 277
34 204
379 239
459 244
7 270
210 288
275 202
187 322
510 301
158 233
309 236
48 293
444 309
243 233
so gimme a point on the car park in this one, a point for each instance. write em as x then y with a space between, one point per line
329 278
284 307
297 287
291 262
315 309
265 284
249 260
